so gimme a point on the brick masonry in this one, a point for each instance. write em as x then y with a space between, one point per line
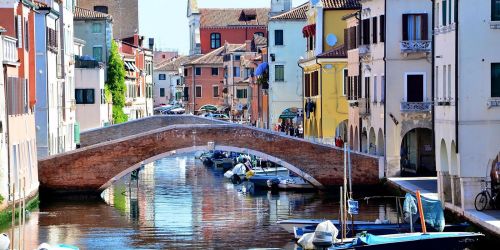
90 168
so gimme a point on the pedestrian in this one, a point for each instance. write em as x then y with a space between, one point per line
301 131
341 142
292 130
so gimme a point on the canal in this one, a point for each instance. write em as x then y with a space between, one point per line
177 203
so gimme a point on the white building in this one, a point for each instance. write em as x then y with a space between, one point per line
167 78
399 64
467 97
92 109
286 93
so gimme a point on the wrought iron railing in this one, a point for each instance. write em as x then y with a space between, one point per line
416 46
416 106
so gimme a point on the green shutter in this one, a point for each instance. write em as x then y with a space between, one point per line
77 133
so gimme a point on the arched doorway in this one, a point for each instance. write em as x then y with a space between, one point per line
351 139
364 141
380 143
417 153
372 143
289 120
356 139
341 130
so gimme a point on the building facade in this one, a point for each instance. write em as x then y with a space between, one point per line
212 28
125 14
18 33
285 76
96 29
325 70
467 106
167 79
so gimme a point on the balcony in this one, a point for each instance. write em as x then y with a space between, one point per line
416 106
416 46
364 106
10 50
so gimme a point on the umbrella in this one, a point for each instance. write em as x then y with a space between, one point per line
261 69
212 108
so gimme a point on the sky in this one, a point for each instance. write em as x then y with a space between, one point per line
166 21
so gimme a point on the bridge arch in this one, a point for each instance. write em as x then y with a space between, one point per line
111 152
193 149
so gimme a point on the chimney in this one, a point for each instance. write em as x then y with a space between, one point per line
151 43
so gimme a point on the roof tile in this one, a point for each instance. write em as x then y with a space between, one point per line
84 14
341 4
231 17
297 13
336 52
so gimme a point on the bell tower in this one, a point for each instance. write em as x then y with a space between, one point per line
280 6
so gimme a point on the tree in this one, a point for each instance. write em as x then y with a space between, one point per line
116 84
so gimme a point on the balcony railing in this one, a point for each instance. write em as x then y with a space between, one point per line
9 50
416 106
416 46
364 50
364 106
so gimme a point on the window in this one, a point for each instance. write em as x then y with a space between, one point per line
307 85
84 96
351 38
197 71
26 35
366 31
215 40
375 32
414 88
162 92
19 31
216 91
102 9
259 34
382 94
96 28
495 80
382 28
315 84
241 93
344 86
197 93
162 77
237 57
186 72
97 53
236 71
444 12
278 37
310 43
375 89
279 73
367 88
215 71
415 27
495 10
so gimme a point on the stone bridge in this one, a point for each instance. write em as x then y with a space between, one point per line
107 154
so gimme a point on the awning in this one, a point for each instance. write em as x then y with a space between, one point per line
130 66
261 69
290 113
309 30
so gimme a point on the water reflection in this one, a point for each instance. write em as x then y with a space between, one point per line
177 203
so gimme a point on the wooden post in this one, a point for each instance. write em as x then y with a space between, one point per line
342 214
421 212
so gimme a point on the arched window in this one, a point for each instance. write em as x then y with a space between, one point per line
259 34
215 40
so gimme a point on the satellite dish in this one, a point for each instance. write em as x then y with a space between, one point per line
314 2
331 40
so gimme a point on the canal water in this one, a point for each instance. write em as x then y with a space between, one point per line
177 203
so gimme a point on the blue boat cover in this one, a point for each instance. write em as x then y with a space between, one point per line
433 211
370 239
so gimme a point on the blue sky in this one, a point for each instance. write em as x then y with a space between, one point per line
166 20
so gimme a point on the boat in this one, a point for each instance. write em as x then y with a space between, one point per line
45 246
411 241
224 163
289 225
289 182
379 228
245 171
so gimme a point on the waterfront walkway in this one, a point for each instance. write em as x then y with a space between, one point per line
489 219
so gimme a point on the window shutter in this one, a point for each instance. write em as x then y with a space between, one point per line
405 27
346 39
424 29
19 30
375 32
382 28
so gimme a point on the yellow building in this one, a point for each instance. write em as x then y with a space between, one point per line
325 71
